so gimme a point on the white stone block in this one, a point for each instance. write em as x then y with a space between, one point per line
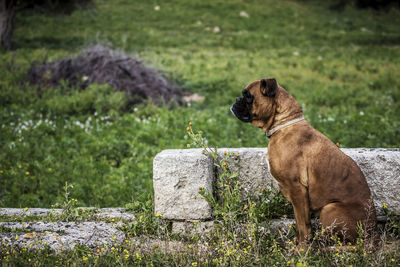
179 173
381 168
177 176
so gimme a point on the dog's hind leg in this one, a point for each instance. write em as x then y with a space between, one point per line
340 219
345 220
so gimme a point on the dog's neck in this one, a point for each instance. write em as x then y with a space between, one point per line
269 133
286 112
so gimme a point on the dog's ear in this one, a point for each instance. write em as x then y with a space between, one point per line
268 87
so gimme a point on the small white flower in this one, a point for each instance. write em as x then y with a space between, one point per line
296 53
216 29
157 8
243 14
199 22
362 113
319 58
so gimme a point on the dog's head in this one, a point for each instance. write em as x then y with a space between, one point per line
258 102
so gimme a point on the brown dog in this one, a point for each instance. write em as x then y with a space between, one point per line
312 173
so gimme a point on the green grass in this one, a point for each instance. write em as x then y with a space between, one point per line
341 66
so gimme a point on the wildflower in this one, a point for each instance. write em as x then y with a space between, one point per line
156 245
216 29
224 164
225 152
243 14
84 258
200 188
98 250
157 8
393 260
190 123
27 173
194 263
237 155
245 207
337 144
188 128
26 209
158 215
83 210
384 205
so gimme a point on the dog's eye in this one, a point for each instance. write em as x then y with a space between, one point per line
249 99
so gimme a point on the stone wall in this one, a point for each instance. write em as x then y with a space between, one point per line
178 175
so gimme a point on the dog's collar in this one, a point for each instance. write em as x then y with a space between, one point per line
277 128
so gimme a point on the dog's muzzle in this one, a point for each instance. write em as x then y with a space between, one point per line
240 110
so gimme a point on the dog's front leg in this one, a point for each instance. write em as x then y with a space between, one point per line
298 196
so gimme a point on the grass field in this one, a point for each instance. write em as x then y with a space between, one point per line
342 66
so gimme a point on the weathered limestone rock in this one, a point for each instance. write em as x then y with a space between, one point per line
111 213
60 235
252 166
177 177
381 168
115 213
179 173
29 212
